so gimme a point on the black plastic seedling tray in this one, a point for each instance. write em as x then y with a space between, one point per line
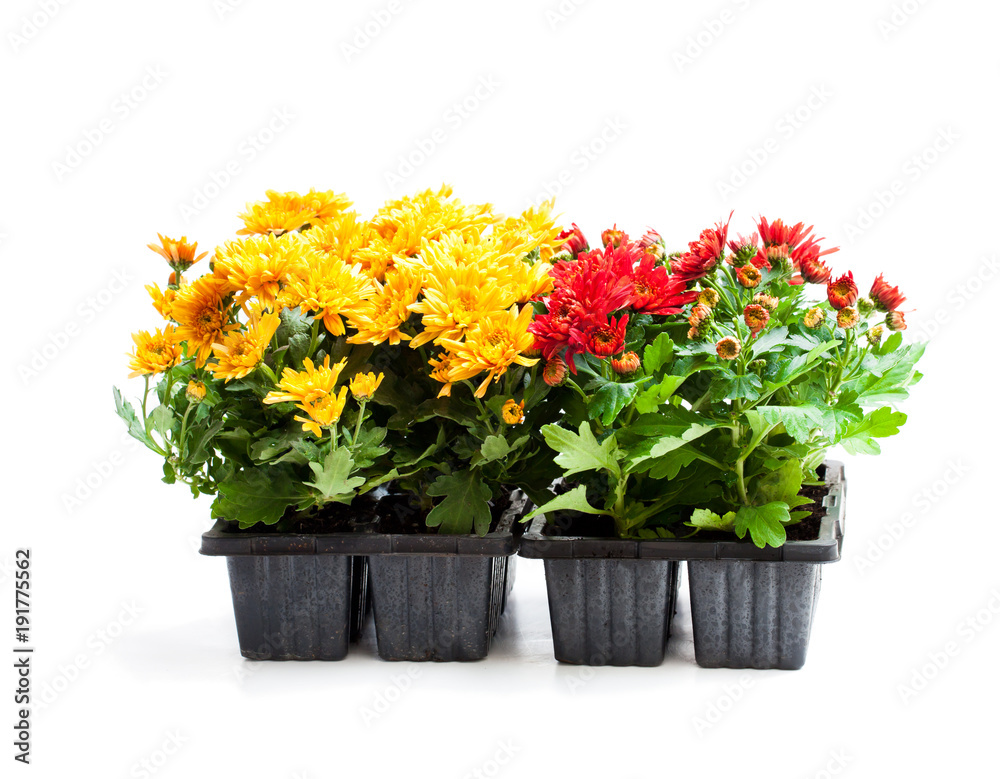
750 607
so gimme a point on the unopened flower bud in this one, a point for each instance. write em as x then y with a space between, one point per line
848 318
814 318
627 364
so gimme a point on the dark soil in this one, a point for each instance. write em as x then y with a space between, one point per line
571 524
398 514
334 518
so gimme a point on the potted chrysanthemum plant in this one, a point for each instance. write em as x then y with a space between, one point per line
325 359
769 382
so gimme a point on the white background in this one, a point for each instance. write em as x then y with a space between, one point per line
682 94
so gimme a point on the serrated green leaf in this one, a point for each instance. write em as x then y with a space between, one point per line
574 500
766 524
653 397
494 447
256 495
124 409
580 451
769 341
465 506
880 423
657 354
782 484
709 520
799 421
333 477
162 418
610 399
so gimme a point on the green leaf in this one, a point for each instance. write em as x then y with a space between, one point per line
709 520
887 378
610 399
256 495
494 447
668 466
367 449
124 409
782 484
880 423
745 387
766 524
581 452
465 505
199 438
333 478
657 353
799 421
162 418
574 500
769 342
653 397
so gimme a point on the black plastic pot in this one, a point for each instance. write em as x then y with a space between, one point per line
440 597
295 597
754 608
607 605
611 600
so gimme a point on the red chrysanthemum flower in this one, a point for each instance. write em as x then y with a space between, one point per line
814 271
748 276
655 291
895 321
756 317
552 329
627 364
702 255
614 237
573 240
554 372
885 297
728 348
842 292
604 340
777 233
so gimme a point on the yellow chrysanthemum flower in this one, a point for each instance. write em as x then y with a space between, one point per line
241 351
513 412
379 318
154 352
363 385
311 390
196 391
323 413
440 369
340 237
308 385
332 289
455 297
201 311
285 212
497 341
260 267
163 300
180 255
542 224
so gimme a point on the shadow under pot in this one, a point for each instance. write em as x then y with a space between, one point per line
439 597
296 596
